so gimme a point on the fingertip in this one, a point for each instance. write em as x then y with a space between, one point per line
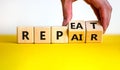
64 24
104 31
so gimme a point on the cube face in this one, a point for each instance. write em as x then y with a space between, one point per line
77 31
94 32
59 35
25 34
42 34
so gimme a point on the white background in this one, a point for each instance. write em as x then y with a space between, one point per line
15 13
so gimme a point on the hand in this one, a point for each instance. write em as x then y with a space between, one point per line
101 8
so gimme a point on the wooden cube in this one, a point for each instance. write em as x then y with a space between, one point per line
59 34
77 31
25 34
42 34
94 31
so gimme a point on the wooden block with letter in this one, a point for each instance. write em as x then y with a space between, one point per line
94 31
42 34
59 34
77 31
25 34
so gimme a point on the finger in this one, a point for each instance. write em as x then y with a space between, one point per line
96 11
67 11
105 15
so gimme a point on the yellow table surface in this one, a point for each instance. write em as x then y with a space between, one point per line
83 56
